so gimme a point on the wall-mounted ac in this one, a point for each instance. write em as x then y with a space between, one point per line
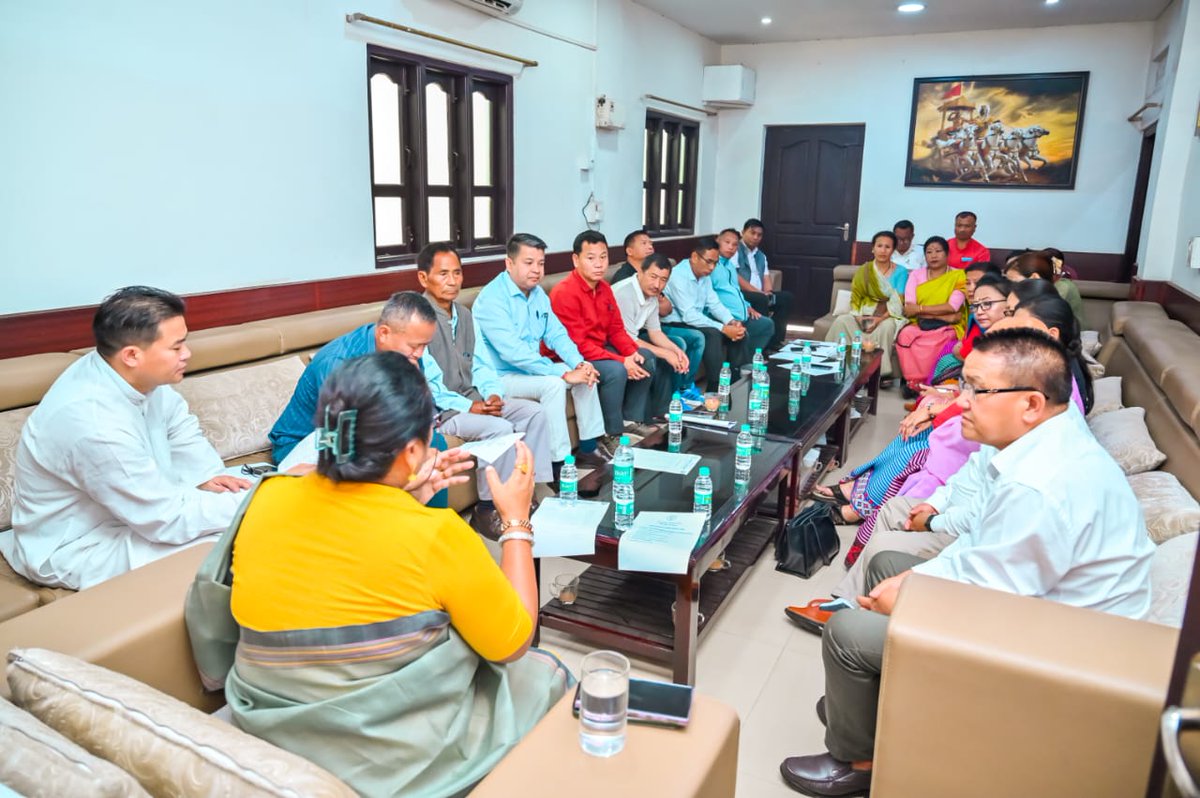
729 86
493 6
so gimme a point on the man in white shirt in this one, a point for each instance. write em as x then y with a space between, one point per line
905 254
637 299
1035 536
112 471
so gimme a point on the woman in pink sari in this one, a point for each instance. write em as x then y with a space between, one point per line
934 300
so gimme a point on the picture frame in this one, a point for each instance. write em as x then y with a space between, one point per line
996 131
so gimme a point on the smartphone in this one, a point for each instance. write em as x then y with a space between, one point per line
656 703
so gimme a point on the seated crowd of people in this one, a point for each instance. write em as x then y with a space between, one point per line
403 662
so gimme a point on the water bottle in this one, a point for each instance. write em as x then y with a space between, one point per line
568 480
795 381
856 350
675 423
757 425
841 353
741 460
759 360
723 388
622 485
702 498
806 359
761 383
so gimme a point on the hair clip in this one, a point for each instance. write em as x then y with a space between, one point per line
338 438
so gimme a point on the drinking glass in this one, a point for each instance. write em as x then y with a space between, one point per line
566 588
603 703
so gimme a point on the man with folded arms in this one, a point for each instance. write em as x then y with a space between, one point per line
112 471
1087 548
514 318
754 278
585 305
759 328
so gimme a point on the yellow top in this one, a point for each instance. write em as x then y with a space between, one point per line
312 553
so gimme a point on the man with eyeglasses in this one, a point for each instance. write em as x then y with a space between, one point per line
1027 535
696 306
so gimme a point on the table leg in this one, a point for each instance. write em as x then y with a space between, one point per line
791 502
687 622
841 434
537 580
873 391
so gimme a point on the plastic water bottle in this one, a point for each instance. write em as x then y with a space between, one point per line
806 359
795 381
761 384
741 460
723 388
759 360
702 498
757 424
675 423
841 353
622 485
856 350
568 480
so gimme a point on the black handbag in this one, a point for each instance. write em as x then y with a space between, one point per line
932 324
807 542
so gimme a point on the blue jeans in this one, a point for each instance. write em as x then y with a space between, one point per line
442 497
692 343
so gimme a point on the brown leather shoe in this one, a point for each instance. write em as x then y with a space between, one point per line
821 711
822 775
810 617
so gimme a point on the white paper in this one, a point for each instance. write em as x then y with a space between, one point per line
304 452
708 421
659 543
566 529
667 462
490 449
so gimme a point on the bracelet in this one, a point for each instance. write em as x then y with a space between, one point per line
507 536
518 523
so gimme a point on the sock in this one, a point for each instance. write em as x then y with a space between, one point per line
588 446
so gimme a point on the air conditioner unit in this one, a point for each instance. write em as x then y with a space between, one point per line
729 86
507 7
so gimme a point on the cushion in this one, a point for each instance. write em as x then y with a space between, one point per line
237 408
1169 509
1161 345
1122 312
23 380
1095 367
171 748
1107 396
1170 578
1182 387
39 761
1090 342
11 423
1123 435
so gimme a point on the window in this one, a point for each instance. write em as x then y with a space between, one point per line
669 174
441 156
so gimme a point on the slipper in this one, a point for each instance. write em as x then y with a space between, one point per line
836 497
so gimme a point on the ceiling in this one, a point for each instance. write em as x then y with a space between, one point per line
798 20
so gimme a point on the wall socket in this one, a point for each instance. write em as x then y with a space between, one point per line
1194 252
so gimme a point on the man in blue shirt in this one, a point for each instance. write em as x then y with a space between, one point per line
406 325
754 277
517 328
759 328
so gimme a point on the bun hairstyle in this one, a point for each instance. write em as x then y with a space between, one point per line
1028 290
1054 311
388 404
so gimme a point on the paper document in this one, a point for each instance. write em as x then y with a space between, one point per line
490 450
708 421
667 462
303 452
659 543
566 529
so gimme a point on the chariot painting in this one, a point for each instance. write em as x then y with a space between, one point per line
996 131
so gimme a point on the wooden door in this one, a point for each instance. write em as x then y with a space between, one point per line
811 177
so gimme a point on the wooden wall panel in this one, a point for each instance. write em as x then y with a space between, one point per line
1108 267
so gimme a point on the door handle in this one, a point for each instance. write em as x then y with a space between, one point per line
1175 720
846 231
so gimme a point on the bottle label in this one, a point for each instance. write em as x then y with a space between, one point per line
624 508
743 450
623 473
674 417
702 503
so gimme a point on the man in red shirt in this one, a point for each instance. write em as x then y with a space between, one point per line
585 305
965 250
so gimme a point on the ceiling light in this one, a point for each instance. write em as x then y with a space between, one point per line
766 20
910 8
1051 2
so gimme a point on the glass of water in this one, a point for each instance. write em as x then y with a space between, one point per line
603 702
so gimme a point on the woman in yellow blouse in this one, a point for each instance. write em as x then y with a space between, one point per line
378 637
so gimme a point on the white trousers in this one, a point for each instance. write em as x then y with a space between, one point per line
551 392
890 535
519 415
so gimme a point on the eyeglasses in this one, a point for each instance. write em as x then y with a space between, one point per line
984 305
970 391
712 262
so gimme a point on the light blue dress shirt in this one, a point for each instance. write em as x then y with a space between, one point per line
1057 520
725 283
693 301
511 325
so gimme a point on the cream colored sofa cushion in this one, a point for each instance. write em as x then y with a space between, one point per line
1170 578
171 748
1169 509
1123 435
11 423
38 762
1107 396
237 408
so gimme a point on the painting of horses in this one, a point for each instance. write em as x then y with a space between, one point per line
996 131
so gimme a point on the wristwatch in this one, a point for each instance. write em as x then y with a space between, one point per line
929 520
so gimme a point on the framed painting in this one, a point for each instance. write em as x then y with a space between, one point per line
996 131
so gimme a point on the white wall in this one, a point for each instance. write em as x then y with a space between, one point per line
870 81
212 145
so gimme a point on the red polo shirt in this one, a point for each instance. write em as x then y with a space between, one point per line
592 318
973 252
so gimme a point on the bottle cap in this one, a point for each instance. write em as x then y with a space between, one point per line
569 460
745 428
703 471
725 365
675 395
624 440
758 350
795 361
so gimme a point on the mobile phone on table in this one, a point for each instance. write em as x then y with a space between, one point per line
657 703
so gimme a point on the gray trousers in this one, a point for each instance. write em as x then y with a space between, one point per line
890 535
620 397
520 415
852 648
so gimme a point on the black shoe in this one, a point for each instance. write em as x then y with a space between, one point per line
907 392
822 775
821 711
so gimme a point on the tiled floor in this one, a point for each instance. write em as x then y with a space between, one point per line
752 657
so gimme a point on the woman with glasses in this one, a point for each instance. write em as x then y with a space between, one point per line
377 636
986 306
934 302
876 303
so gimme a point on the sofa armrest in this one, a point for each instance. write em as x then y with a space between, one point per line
990 694
15 600
132 624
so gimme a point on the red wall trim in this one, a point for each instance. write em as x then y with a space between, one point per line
1108 267
64 329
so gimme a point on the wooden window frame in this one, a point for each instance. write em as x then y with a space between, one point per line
662 127
411 73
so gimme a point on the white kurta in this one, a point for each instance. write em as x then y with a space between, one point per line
105 480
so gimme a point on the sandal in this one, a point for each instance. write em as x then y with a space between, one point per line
835 499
